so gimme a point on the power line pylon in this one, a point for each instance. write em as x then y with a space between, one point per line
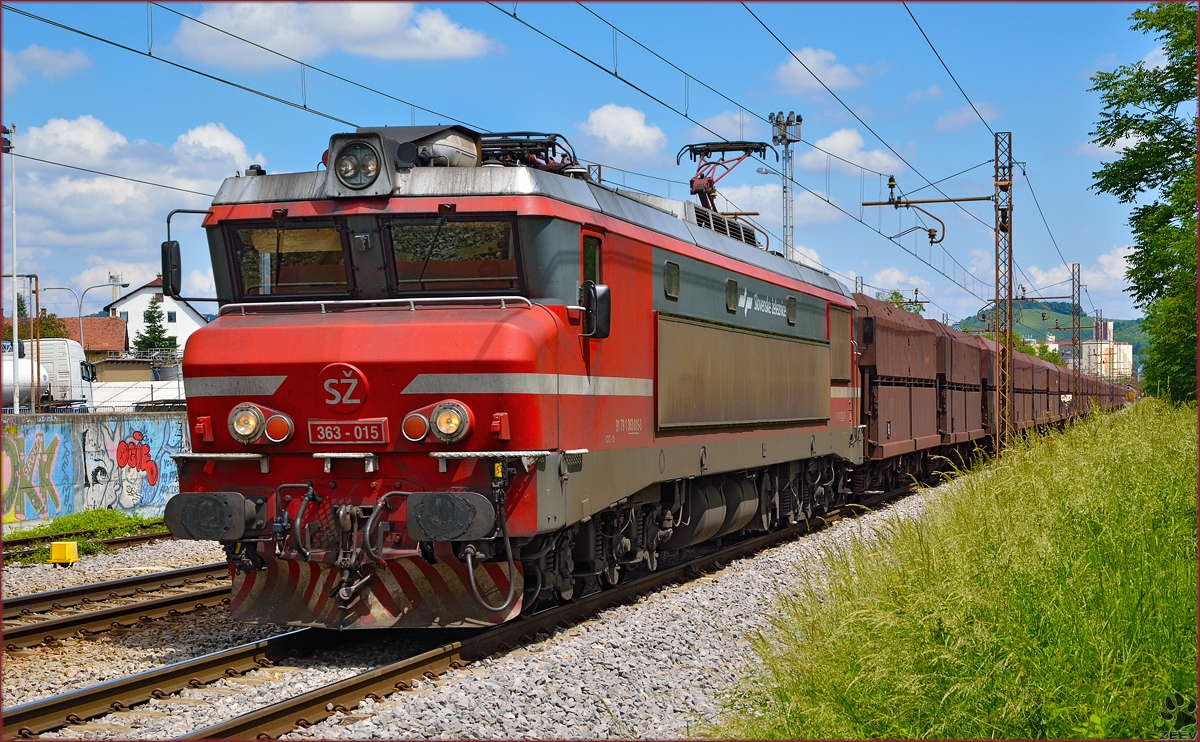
1004 295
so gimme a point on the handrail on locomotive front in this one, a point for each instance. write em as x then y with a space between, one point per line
343 303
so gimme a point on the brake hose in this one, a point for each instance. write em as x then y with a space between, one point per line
309 496
379 508
469 553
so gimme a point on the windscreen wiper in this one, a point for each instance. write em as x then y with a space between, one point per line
445 210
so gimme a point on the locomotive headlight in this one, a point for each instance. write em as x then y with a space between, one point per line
450 421
246 423
357 165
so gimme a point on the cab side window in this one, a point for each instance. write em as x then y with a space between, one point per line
591 259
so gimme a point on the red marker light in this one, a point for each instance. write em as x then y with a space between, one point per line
415 427
278 429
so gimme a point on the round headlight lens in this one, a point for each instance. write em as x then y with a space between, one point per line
449 421
357 165
246 423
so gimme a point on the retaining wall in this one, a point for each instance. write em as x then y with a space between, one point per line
59 464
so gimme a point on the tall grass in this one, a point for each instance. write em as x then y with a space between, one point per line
1050 594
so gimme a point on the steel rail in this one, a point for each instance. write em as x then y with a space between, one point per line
91 622
26 605
76 707
16 547
312 707
24 540
120 542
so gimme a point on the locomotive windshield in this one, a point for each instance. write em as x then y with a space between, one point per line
458 255
290 261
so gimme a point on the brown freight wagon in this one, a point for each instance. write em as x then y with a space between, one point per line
960 410
899 374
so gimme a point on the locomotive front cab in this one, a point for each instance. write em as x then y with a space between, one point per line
377 401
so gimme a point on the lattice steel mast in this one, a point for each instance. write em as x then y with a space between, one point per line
1004 297
1076 347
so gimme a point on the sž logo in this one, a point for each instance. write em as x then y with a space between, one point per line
343 387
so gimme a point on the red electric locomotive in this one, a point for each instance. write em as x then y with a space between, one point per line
453 377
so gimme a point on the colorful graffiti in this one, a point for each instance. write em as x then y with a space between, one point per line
58 464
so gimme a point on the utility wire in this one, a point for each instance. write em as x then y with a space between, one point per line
348 123
111 175
1043 215
947 68
948 177
989 128
193 70
318 69
716 92
685 115
857 117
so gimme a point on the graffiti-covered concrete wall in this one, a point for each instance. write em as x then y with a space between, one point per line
59 464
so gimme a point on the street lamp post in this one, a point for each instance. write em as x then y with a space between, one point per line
10 133
79 301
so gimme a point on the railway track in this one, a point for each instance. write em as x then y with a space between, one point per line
314 706
84 616
18 547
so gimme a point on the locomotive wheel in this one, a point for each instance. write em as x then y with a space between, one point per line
611 576
572 592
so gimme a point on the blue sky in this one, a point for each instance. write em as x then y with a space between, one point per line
1025 66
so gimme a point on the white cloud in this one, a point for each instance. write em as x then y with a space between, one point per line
808 256
75 227
767 200
1156 59
848 144
199 283
309 30
622 128
933 91
1107 274
895 278
792 76
964 117
134 273
51 64
1091 149
728 124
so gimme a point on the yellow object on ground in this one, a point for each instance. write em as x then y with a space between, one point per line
65 553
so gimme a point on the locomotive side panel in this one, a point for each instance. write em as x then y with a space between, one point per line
711 376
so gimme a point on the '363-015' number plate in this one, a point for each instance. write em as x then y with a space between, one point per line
360 432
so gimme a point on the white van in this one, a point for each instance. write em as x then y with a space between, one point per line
71 375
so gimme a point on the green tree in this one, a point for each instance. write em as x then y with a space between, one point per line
49 326
155 335
1150 111
897 299
1053 356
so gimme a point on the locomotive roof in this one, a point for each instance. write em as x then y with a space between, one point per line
667 216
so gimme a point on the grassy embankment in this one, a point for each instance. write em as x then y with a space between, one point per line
100 524
1052 594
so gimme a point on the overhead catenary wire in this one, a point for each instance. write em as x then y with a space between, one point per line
177 65
112 175
947 68
317 112
685 115
303 65
690 77
858 118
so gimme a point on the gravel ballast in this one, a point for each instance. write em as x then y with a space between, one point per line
131 562
652 669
